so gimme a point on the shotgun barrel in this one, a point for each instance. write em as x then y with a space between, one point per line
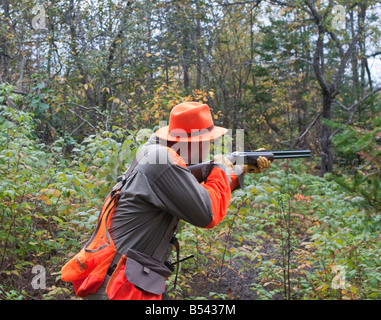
202 170
250 157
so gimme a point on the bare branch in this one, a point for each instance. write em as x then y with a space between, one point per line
307 129
353 108
357 103
290 4
255 2
342 106
344 60
84 120
373 54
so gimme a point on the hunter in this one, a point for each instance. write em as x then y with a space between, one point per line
127 256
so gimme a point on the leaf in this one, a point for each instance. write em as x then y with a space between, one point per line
260 198
43 106
53 192
148 55
10 193
323 287
273 201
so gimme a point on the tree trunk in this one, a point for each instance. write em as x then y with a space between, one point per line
198 47
186 76
327 91
355 74
325 137
22 66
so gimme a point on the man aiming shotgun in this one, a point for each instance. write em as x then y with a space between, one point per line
127 256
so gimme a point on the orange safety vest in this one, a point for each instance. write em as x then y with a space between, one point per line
87 269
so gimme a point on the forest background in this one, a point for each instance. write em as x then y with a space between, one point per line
83 83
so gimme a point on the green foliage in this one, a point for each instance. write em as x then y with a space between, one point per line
48 203
288 233
361 145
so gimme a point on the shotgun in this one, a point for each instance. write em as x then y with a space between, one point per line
202 170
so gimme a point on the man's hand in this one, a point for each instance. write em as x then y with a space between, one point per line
262 164
224 161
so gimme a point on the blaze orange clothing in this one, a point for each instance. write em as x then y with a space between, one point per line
155 196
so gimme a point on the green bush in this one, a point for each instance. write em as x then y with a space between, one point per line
297 233
287 234
49 202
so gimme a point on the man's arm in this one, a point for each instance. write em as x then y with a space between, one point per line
203 205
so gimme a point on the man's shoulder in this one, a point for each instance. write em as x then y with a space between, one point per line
155 159
176 159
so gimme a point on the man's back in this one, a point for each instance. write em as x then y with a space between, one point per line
158 189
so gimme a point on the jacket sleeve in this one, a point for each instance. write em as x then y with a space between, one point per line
219 190
203 205
235 181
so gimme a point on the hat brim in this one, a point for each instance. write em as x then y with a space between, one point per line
216 132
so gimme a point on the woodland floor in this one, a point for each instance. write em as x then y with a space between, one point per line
228 283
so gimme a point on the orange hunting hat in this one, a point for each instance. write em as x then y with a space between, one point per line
190 122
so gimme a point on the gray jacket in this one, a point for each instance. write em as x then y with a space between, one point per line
152 196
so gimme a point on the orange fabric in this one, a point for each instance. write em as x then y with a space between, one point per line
90 284
219 191
176 158
87 270
119 288
235 183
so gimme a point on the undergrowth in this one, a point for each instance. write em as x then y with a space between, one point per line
287 235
